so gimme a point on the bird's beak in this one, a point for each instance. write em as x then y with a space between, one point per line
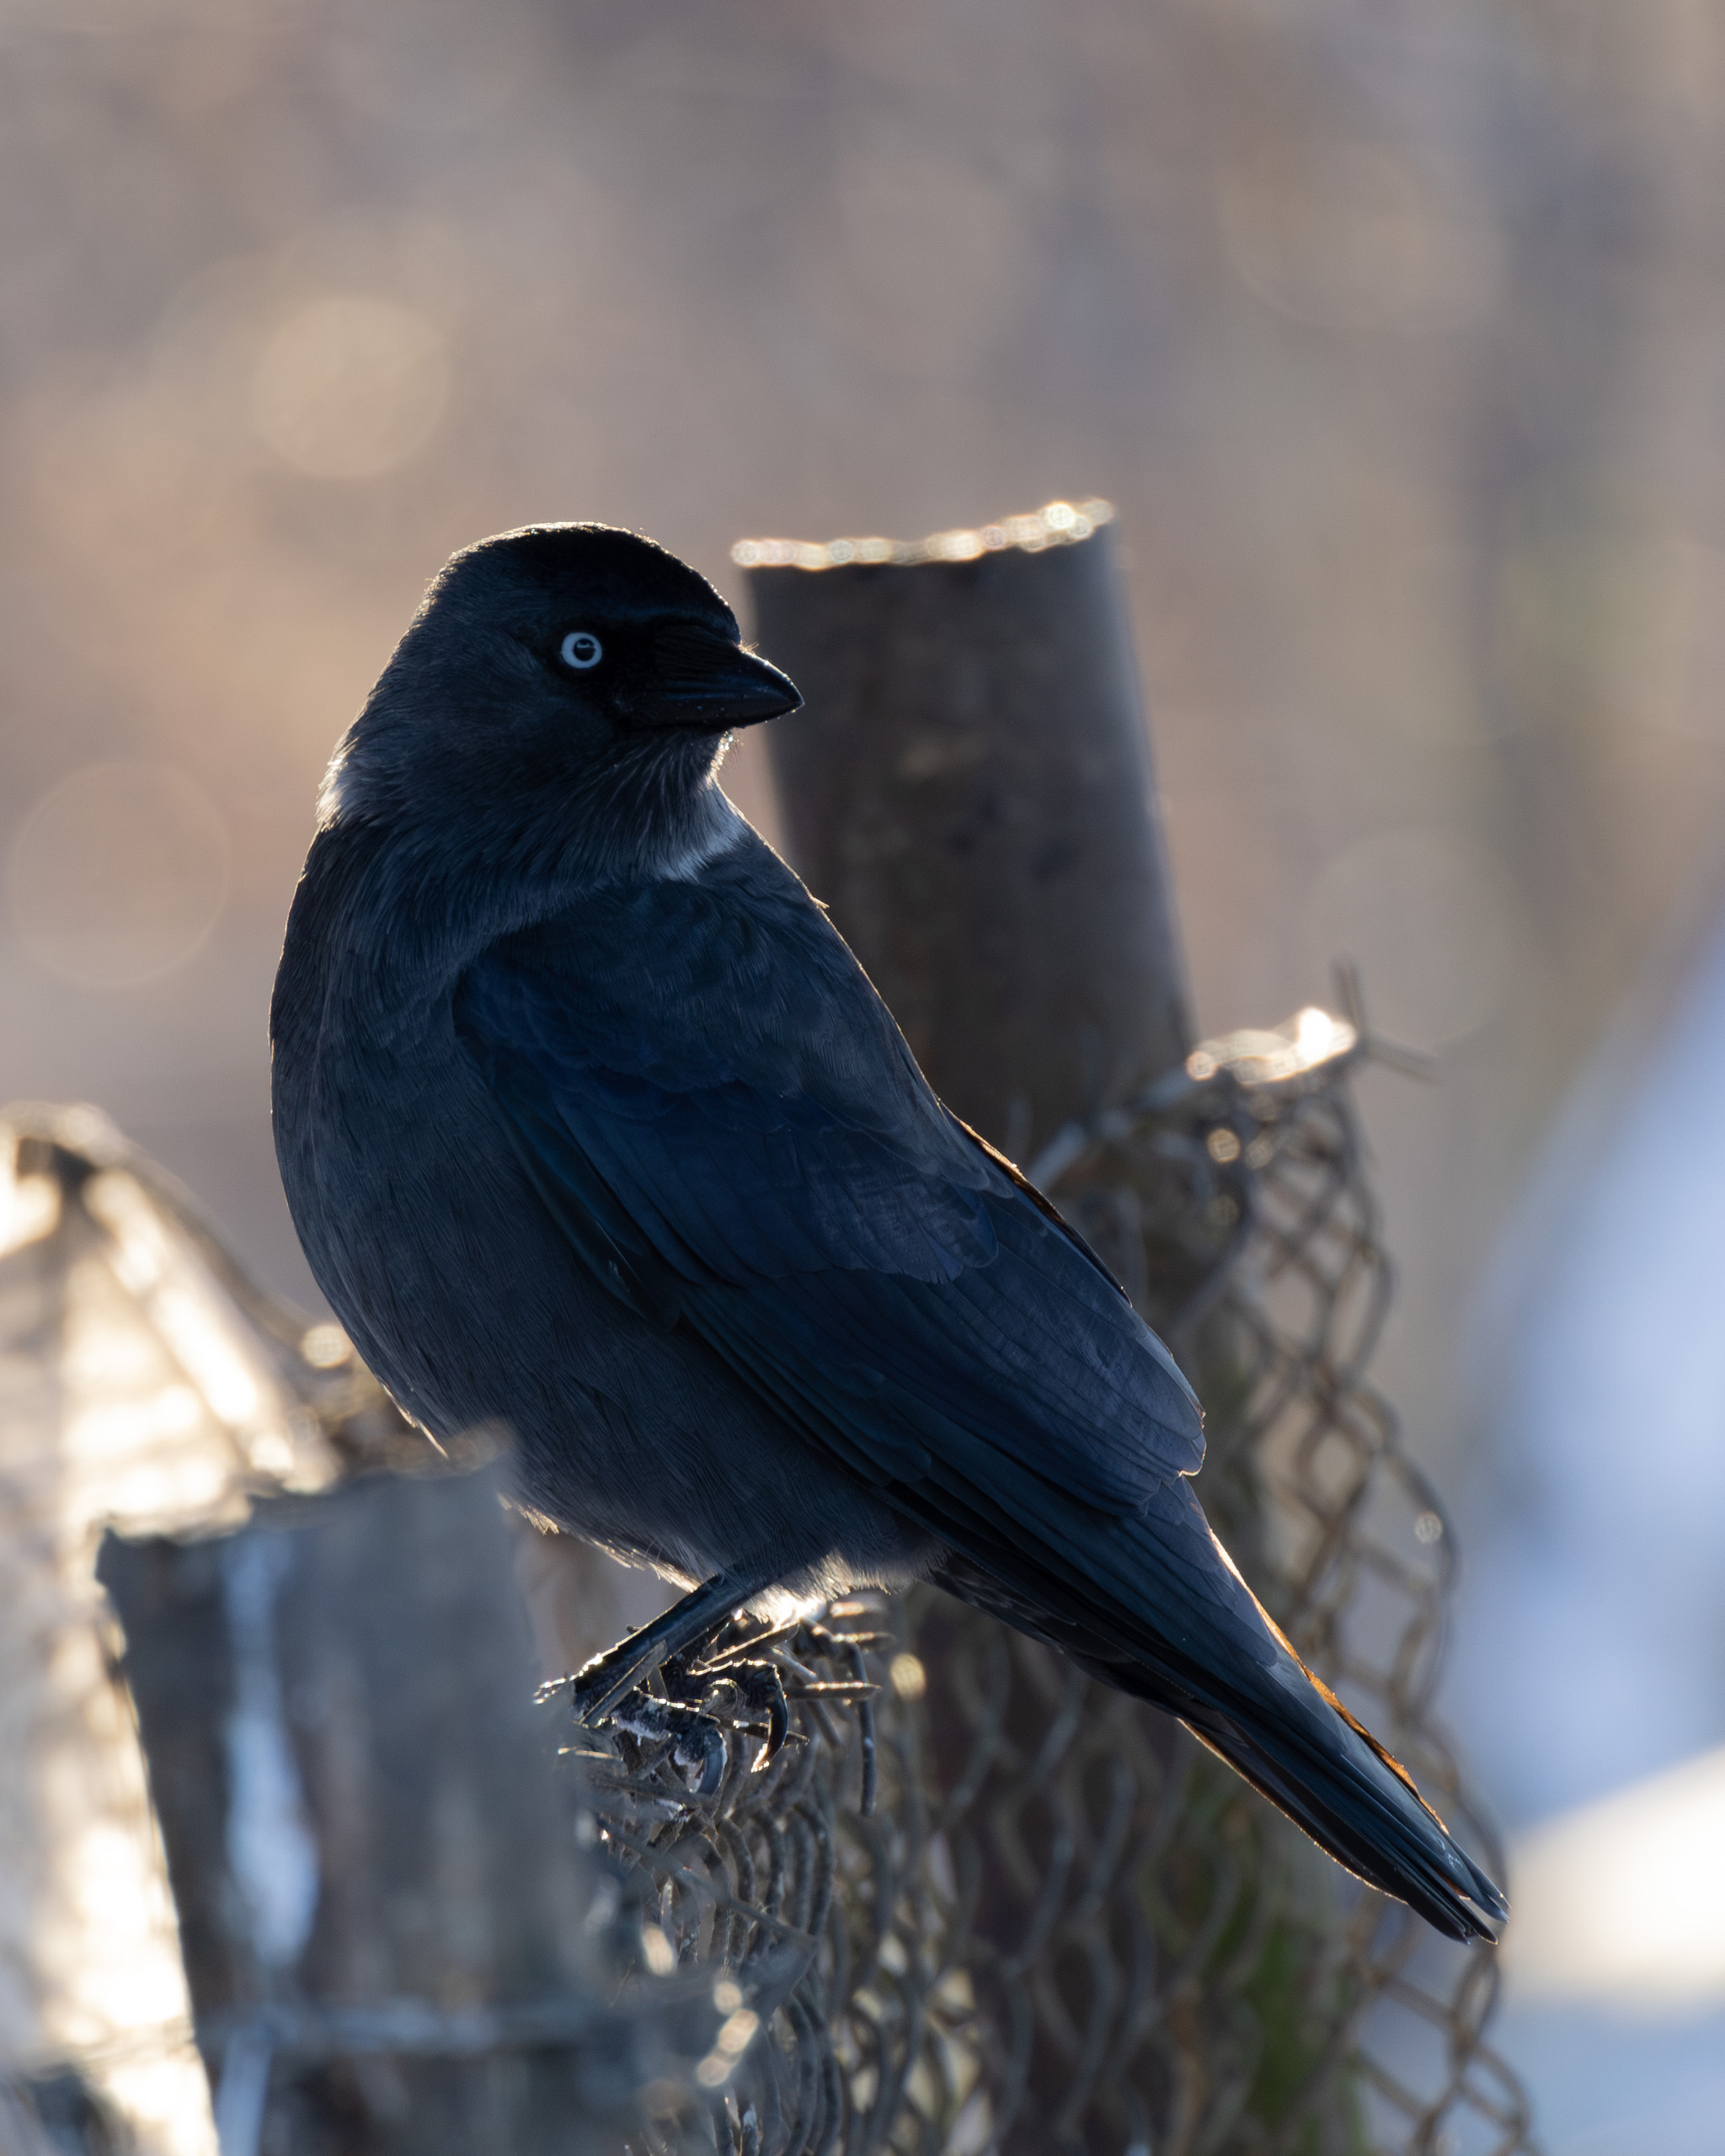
706 682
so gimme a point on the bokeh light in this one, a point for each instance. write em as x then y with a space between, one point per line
348 386
118 874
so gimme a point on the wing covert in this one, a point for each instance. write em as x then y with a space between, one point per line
739 1141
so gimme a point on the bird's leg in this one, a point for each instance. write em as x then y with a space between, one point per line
599 1685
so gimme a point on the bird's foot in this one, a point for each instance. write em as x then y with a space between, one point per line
700 1696
750 1694
703 1710
698 1747
735 1677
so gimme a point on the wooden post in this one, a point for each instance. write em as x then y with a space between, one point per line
970 789
380 1894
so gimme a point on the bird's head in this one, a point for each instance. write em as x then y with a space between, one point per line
558 665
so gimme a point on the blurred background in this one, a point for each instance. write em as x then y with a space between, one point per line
1397 334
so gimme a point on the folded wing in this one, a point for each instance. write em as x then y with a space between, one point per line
735 1137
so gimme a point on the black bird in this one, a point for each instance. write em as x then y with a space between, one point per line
591 1125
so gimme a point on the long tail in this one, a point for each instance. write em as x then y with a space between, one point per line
1159 1611
1358 1803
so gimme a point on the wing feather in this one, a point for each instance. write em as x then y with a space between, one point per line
739 1141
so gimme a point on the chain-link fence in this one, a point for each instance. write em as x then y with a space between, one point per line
1206 1982
1060 1923
812 1892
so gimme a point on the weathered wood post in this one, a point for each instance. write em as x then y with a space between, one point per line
971 790
380 1896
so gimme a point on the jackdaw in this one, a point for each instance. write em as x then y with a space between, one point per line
592 1126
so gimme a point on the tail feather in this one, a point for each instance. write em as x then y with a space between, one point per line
1160 1612
1378 1827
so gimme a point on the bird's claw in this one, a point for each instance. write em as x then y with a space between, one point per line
723 1684
756 1687
697 1741
778 1726
704 1700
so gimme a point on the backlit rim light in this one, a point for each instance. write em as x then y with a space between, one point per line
1056 524
1309 1040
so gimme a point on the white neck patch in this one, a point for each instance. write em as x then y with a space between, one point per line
722 830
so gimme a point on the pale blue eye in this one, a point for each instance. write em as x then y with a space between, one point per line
582 650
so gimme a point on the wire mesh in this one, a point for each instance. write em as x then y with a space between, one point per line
811 1891
1201 1980
1062 1925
